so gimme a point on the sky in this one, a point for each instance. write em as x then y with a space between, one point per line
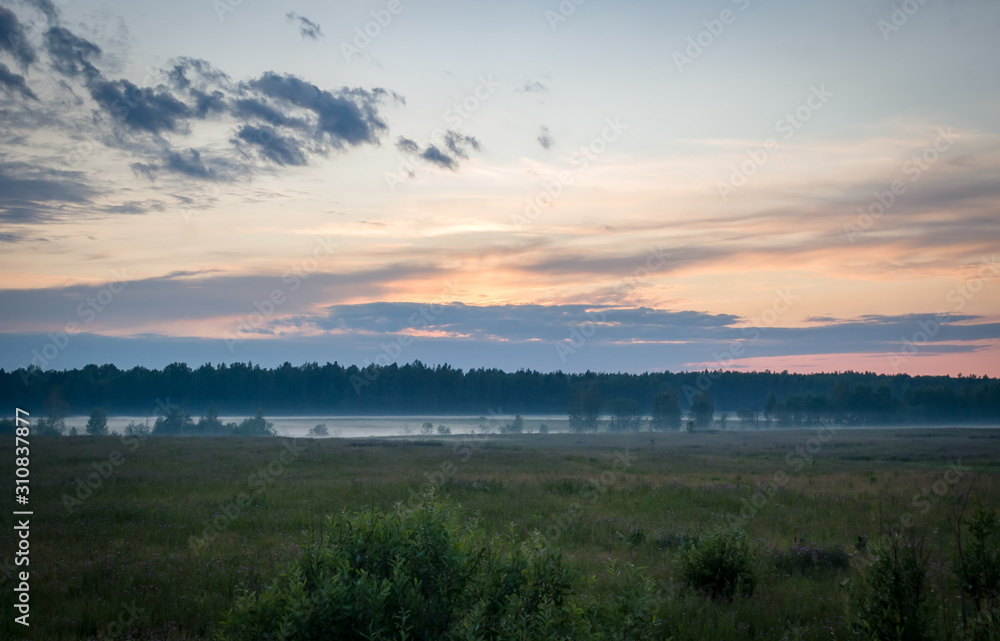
579 185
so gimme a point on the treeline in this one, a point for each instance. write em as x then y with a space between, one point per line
748 397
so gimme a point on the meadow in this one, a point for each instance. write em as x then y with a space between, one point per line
170 531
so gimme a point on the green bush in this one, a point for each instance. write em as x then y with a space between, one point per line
721 564
976 563
254 426
891 600
420 573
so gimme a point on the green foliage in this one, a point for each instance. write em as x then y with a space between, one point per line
976 563
427 428
49 427
625 415
209 424
97 425
703 410
420 573
255 426
666 411
584 409
174 422
721 564
891 600
319 429
444 430
136 429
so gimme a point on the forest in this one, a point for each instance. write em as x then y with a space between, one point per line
751 399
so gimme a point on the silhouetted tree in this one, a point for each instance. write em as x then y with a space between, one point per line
666 411
625 415
97 425
210 423
703 410
174 422
255 426
591 407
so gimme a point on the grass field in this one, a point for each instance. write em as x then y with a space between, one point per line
160 548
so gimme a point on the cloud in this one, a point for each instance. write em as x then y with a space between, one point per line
523 322
254 108
189 164
456 144
141 109
32 194
208 103
307 27
48 9
406 145
281 150
346 117
11 82
195 73
544 139
532 87
277 120
13 39
72 55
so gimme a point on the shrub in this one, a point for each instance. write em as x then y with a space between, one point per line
444 430
254 426
48 427
136 429
976 563
721 564
319 429
891 600
414 574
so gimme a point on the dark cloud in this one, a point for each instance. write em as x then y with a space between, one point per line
457 146
434 156
307 27
277 119
457 143
253 108
32 194
206 104
144 169
13 40
204 295
281 150
195 73
544 139
532 87
11 82
349 116
48 9
526 322
407 146
189 164
72 55
142 109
